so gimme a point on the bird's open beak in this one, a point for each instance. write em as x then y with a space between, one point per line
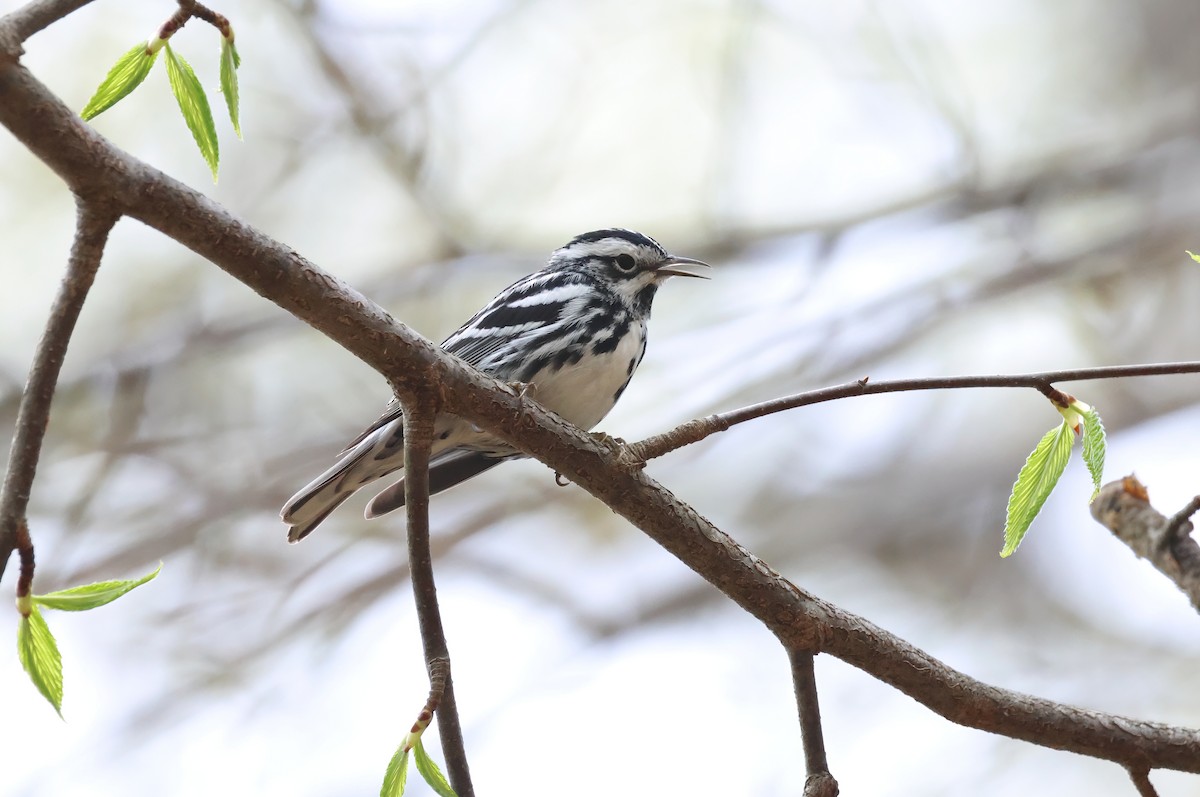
682 267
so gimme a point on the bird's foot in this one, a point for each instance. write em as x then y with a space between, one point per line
625 454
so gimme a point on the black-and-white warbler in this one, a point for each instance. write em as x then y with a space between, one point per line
573 333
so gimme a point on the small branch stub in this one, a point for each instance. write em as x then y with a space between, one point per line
1057 397
1180 524
1123 507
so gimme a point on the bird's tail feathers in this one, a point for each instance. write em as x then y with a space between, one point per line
305 510
304 527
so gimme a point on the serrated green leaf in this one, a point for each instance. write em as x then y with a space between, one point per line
1035 482
430 771
126 75
40 657
230 61
89 596
193 104
1093 448
396 775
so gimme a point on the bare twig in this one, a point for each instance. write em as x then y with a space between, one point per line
696 430
87 162
420 411
189 9
1123 507
92 226
819 782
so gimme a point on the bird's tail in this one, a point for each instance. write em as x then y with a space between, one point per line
305 510
302 523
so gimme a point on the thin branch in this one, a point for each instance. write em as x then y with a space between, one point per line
420 411
1123 507
819 782
92 226
697 430
1141 781
87 162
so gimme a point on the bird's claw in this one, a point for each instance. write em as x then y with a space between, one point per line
523 389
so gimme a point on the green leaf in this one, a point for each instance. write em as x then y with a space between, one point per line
1093 448
194 107
230 61
397 774
40 657
1035 483
126 75
1193 256
430 771
89 596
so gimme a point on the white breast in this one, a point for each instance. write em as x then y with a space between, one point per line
584 393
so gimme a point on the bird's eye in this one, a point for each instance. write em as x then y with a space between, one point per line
626 263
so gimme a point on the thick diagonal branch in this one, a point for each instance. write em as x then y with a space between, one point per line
92 226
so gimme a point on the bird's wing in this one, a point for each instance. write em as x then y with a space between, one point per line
496 327
513 314
390 413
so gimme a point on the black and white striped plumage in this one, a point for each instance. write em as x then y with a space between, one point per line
573 332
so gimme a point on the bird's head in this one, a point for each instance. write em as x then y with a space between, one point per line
634 265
